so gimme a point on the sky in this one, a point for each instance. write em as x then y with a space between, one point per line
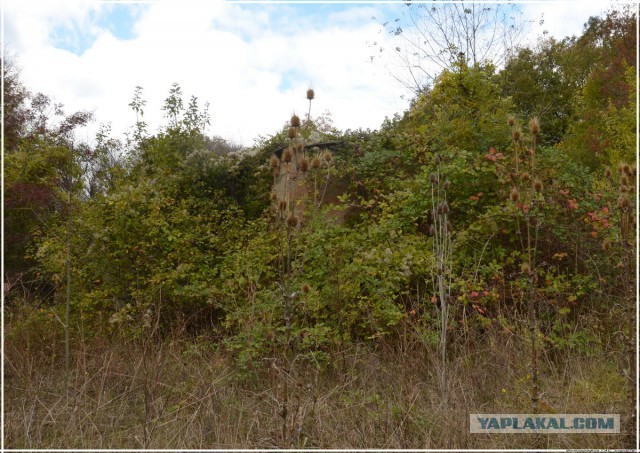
252 62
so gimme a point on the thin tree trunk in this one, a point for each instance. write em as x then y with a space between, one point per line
67 316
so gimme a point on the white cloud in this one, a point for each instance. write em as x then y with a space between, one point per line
251 62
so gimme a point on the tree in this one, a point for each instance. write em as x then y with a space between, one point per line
603 131
39 166
15 113
430 38
463 110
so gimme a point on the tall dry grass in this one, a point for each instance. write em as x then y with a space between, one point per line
187 393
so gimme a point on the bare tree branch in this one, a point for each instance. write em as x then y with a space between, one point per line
430 38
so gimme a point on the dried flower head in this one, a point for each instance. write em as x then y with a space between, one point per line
448 228
537 185
620 168
446 184
606 245
626 169
514 195
327 156
311 94
295 120
437 160
525 268
511 121
287 155
525 176
516 135
274 161
291 133
299 147
304 165
282 205
624 180
292 220
607 173
315 162
305 288
623 202
276 171
273 195
534 126
433 178
623 189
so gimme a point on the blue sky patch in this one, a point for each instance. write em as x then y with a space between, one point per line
120 20
77 37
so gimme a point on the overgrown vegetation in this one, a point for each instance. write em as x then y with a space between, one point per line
325 288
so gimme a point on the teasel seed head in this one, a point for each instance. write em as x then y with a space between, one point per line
305 288
511 121
606 245
291 133
443 208
624 180
292 220
315 162
620 168
448 228
623 189
327 156
607 173
537 185
299 147
273 195
295 120
282 205
516 135
287 155
623 202
437 159
276 172
626 169
525 268
534 126
446 184
304 165
274 161
525 176
514 195
311 94
433 178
